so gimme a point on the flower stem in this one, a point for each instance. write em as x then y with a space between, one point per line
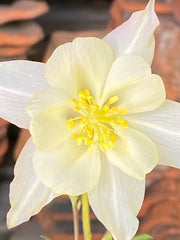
74 202
85 217
76 222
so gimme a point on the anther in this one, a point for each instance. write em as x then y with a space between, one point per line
74 101
122 111
79 141
81 94
113 138
113 99
77 109
86 91
124 124
70 124
74 136
83 102
95 121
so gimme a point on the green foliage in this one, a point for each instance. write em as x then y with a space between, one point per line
107 236
46 238
143 237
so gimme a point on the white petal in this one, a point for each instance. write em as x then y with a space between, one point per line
49 128
84 63
116 201
27 194
19 81
163 127
68 168
44 99
49 110
134 153
135 36
131 80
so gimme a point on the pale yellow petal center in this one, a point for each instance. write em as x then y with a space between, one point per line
96 122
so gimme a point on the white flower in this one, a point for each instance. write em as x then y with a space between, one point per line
99 122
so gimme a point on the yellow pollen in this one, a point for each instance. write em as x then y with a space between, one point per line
74 101
77 109
95 121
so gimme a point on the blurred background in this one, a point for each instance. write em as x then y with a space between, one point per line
32 29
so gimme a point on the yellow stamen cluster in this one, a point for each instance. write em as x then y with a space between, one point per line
96 121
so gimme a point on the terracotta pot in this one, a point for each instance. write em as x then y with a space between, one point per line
175 5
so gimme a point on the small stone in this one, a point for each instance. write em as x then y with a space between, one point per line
22 10
61 37
21 34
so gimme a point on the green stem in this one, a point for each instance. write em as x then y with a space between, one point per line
76 222
74 202
85 217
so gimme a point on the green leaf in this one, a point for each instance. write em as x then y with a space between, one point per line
46 238
107 236
143 237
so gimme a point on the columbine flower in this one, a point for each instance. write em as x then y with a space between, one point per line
99 122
